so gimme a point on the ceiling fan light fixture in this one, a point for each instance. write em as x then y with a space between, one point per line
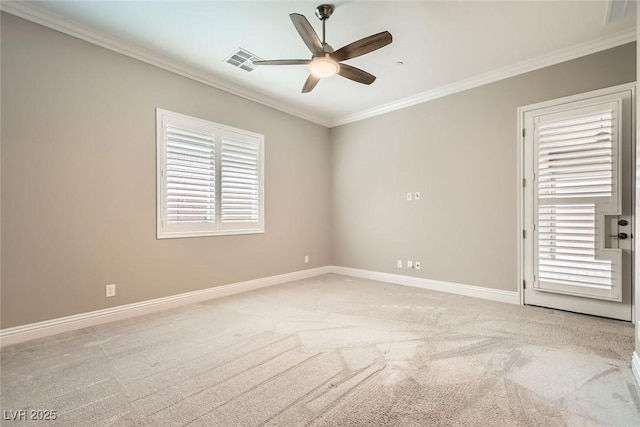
323 67
326 62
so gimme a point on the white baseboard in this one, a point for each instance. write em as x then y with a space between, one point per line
46 328
32 331
635 367
510 297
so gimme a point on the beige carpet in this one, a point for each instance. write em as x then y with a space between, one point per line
332 351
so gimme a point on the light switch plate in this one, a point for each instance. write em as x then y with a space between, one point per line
110 290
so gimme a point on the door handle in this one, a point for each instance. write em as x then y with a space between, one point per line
623 222
620 236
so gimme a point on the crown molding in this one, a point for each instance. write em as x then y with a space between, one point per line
56 22
563 55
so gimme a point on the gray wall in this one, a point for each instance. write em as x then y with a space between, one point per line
79 182
460 153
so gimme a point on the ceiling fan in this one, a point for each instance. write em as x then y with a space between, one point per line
326 62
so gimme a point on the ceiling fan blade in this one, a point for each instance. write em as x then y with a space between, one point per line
308 35
283 62
356 74
311 82
362 46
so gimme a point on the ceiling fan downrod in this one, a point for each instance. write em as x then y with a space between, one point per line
323 12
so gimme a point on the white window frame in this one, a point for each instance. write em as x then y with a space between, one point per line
164 230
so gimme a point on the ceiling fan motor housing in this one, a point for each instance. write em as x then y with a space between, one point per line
324 11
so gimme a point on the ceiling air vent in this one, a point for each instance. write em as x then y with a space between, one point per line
243 59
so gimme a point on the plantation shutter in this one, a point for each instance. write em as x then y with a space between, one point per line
240 181
577 184
190 176
210 178
575 157
567 247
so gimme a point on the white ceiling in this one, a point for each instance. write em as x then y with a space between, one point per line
443 46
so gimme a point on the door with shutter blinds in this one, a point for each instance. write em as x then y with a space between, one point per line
578 170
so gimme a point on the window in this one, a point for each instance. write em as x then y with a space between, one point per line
210 178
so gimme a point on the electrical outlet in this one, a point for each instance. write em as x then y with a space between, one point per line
110 290
409 264
409 196
399 263
416 196
416 265
306 259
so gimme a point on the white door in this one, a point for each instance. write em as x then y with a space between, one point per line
578 163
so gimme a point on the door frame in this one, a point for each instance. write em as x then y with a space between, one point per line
520 223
